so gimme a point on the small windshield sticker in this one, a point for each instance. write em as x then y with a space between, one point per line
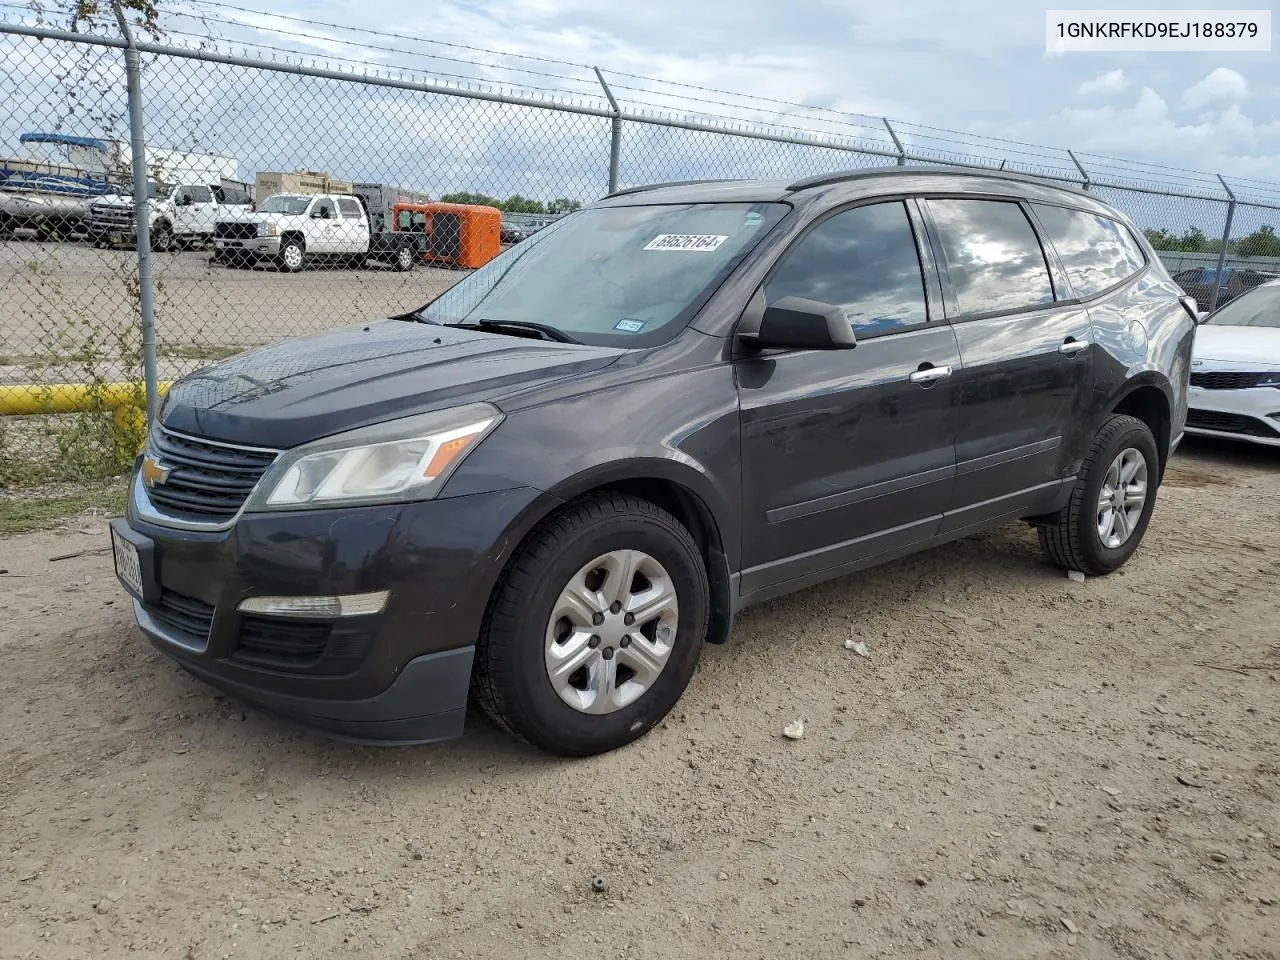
753 219
629 325
697 242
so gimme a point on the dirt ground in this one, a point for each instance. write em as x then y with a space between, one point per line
49 290
1025 766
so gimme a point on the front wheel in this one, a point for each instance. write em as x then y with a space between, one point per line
404 259
596 627
292 256
162 238
1112 501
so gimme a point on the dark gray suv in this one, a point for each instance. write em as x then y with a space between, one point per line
555 482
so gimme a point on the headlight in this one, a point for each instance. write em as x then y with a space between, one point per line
407 459
270 230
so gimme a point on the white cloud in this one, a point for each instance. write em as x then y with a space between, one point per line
1113 81
1222 84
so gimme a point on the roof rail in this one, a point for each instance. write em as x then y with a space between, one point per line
670 183
842 176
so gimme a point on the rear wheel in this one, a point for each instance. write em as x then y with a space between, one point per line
1112 501
595 629
293 255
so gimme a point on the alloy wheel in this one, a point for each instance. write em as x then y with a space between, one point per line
1122 498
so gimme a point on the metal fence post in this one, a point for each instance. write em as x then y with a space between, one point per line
1083 172
893 135
141 210
615 133
1222 251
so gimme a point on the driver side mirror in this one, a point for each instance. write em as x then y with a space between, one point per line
796 323
185 200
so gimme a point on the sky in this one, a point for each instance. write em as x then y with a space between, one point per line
956 78
977 67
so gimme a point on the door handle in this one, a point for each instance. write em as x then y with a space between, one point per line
930 374
1072 347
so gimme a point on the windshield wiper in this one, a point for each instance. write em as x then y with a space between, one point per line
498 326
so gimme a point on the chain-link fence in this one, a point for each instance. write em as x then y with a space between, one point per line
426 180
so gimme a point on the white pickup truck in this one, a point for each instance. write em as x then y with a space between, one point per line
294 229
183 214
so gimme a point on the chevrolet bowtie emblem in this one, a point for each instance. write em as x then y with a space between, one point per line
154 472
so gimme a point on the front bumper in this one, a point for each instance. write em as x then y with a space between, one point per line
399 676
253 246
1251 414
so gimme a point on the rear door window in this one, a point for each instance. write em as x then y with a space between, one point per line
863 260
1096 251
350 208
992 256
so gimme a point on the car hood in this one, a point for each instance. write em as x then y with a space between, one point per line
244 214
312 387
1249 345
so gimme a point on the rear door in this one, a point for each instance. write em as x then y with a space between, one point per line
1027 353
847 454
353 228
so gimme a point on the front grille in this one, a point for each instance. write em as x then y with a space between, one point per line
234 230
105 216
207 482
1231 380
1229 423
185 616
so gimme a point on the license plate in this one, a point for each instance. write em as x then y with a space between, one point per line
128 564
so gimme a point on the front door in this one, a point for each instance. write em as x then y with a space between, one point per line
847 454
1028 361
323 237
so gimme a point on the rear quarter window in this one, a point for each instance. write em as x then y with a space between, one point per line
1096 251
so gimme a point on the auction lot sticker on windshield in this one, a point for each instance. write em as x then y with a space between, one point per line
696 242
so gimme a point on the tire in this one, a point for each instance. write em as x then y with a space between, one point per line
1072 539
293 255
162 238
404 259
511 679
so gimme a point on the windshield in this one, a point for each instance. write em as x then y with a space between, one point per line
1260 307
619 276
285 204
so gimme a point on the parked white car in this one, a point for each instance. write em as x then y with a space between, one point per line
292 229
1235 370
185 213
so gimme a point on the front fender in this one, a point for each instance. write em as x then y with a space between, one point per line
681 429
